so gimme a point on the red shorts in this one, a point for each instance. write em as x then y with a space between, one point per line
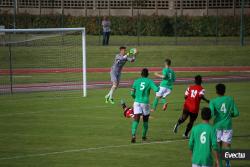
191 108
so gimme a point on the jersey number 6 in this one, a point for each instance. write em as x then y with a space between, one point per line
203 137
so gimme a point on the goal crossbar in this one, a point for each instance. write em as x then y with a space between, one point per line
43 30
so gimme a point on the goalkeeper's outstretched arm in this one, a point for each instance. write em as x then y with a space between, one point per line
125 58
131 55
131 59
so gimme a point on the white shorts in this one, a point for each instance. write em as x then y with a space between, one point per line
163 92
224 135
141 108
194 165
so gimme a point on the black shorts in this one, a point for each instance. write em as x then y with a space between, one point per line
192 116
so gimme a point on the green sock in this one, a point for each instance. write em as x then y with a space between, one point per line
145 129
155 103
220 158
134 127
164 100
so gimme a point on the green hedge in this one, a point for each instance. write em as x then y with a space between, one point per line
145 25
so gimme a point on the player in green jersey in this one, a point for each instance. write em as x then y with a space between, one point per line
223 110
203 142
166 85
140 92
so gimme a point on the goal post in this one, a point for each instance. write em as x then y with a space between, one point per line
40 54
84 64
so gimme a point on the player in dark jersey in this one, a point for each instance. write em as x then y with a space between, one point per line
193 96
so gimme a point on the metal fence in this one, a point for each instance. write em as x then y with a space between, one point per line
114 7
238 10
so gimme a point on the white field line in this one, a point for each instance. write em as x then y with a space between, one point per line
47 98
22 76
51 110
89 149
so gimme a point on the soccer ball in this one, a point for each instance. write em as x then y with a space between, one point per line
133 51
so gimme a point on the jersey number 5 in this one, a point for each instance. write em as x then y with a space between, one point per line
142 86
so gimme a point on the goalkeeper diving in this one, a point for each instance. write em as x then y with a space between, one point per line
116 70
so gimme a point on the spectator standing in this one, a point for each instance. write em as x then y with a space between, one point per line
106 30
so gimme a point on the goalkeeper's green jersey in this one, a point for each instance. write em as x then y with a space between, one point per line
169 78
202 141
141 89
223 109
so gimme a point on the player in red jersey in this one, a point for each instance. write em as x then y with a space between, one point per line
128 112
193 96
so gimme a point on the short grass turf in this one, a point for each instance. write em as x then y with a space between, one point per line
165 40
99 56
38 123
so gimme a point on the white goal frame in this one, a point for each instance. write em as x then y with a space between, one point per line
83 33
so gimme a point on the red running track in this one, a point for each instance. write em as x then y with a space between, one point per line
34 87
126 69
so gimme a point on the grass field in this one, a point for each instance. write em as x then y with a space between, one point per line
49 54
127 39
99 56
166 40
52 56
64 129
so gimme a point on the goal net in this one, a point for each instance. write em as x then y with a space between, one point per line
49 59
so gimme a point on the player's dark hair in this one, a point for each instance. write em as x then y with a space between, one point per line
206 113
198 80
144 72
122 47
168 62
220 89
